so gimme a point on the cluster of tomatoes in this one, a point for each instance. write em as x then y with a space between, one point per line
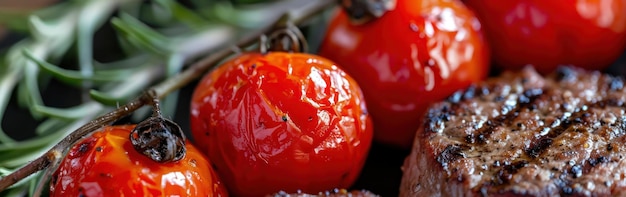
291 121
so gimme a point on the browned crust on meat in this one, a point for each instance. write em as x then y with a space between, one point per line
331 193
522 134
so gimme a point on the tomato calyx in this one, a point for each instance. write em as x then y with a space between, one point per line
363 11
287 39
158 138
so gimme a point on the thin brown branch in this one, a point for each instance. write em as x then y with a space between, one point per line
54 153
301 10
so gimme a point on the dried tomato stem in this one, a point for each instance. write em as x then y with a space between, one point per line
158 138
363 11
156 105
54 154
296 14
296 42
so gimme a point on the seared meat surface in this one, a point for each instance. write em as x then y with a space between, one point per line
524 134
333 193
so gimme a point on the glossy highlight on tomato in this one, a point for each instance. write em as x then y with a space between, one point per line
418 53
281 122
586 33
106 164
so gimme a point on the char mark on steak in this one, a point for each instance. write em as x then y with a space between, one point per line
524 134
330 193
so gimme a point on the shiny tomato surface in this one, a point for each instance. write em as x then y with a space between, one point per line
281 121
418 53
106 164
544 33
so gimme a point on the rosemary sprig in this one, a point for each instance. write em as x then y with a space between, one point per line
156 55
49 39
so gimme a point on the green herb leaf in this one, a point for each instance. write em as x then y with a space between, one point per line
28 92
75 77
107 99
127 63
140 35
67 113
183 14
50 125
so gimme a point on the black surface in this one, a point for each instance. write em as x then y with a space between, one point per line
381 173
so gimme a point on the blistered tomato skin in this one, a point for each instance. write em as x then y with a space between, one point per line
106 164
418 53
585 33
281 121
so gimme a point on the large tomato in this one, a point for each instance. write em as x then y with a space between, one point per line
281 121
545 33
106 164
417 53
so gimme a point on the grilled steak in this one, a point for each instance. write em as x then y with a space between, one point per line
521 134
333 193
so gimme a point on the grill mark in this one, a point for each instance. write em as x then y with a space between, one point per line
527 99
542 143
579 117
596 161
502 178
450 154
437 117
565 179
505 174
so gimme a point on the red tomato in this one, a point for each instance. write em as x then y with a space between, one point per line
418 53
281 121
545 33
106 164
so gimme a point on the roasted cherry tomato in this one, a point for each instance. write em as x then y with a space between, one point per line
419 52
544 33
106 164
281 122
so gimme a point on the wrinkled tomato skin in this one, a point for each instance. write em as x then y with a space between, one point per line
418 53
281 121
106 164
586 33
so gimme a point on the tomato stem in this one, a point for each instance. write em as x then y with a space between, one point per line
296 15
362 11
289 39
53 156
158 138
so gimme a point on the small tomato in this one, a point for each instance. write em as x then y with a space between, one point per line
106 164
417 53
586 33
281 121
